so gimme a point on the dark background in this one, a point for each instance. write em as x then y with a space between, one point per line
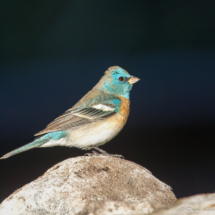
53 52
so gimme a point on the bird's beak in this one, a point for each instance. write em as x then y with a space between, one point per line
133 80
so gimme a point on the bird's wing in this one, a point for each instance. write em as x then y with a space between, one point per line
100 108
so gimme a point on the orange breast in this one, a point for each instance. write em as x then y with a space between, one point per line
124 108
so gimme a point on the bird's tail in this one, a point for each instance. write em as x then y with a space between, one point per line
26 147
39 141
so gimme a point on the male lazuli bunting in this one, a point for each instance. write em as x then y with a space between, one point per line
97 118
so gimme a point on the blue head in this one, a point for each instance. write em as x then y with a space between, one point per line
117 81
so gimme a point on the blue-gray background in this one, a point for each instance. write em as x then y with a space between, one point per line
53 52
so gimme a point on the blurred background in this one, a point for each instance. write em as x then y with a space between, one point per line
53 52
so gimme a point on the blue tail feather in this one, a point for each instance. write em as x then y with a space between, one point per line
36 143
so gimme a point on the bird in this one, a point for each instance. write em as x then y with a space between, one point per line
94 120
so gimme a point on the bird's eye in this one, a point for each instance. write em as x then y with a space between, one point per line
121 78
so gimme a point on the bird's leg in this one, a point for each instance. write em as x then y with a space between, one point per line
100 150
106 153
93 153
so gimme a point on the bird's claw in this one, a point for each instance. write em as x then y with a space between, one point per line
88 154
118 156
98 154
93 153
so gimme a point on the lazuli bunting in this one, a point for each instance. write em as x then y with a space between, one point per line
97 118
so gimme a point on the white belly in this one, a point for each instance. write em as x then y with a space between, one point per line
94 134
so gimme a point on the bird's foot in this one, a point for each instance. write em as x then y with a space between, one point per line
103 152
93 153
117 156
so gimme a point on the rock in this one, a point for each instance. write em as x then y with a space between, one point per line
70 185
117 207
203 204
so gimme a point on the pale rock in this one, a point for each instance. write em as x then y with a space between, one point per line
202 204
69 186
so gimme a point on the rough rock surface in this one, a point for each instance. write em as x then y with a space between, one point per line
118 207
70 185
203 204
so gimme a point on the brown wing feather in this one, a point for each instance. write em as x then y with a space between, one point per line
75 118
